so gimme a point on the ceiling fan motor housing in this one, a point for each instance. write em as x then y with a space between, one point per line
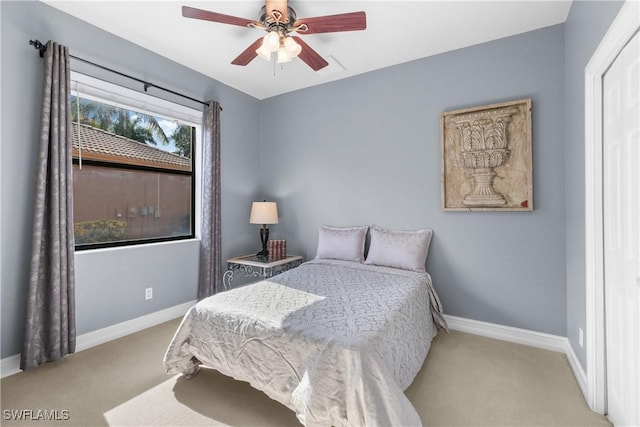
272 20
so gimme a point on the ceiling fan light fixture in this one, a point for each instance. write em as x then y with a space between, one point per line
271 41
264 52
283 55
292 47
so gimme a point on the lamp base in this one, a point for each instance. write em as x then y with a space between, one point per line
264 238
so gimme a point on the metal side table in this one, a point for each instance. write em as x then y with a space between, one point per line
255 266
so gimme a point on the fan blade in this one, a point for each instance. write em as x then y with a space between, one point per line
192 12
249 53
310 56
353 21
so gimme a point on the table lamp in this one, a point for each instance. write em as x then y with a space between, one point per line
264 213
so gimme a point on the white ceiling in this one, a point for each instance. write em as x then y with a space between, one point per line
397 32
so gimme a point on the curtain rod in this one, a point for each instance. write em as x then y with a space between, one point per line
43 48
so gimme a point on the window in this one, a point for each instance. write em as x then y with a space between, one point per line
133 166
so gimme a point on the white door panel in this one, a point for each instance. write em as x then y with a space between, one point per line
621 191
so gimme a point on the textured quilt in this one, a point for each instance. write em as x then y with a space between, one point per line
337 342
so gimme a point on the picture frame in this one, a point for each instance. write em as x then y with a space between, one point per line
486 158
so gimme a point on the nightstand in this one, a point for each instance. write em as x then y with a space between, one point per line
254 266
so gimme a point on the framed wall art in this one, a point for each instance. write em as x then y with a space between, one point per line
486 158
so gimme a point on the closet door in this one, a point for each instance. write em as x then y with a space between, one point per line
621 191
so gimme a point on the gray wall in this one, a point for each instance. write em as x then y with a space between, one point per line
585 27
366 150
110 284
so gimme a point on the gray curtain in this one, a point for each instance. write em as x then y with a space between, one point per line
50 331
210 277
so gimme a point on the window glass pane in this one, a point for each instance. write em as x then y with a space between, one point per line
132 175
114 204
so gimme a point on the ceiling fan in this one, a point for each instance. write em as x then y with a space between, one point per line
279 20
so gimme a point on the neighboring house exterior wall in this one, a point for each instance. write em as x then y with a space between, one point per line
150 204
126 190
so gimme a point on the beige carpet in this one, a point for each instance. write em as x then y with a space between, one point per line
466 381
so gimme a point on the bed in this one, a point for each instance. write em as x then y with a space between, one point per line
337 341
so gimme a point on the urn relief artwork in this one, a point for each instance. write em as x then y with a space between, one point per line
486 158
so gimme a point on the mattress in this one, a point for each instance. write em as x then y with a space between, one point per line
337 342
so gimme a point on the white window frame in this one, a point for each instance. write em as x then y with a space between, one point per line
120 96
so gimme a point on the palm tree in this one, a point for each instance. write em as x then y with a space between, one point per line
182 136
133 125
91 113
130 127
151 123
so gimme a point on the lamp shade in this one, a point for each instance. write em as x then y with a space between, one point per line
264 213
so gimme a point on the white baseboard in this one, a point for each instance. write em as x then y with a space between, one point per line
11 365
508 333
578 370
92 339
523 336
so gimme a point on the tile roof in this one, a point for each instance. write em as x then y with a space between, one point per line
97 144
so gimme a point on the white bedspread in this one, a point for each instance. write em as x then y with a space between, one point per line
335 341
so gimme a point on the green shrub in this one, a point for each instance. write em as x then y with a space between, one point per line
99 231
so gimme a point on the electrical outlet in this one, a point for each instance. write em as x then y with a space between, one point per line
580 337
148 293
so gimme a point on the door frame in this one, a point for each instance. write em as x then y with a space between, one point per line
624 26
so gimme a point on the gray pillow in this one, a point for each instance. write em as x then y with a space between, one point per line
399 249
344 243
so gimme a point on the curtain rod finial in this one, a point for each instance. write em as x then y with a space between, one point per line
38 45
